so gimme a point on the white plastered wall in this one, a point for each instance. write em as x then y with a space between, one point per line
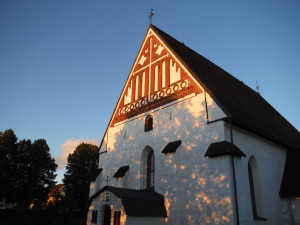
145 220
197 189
271 159
291 211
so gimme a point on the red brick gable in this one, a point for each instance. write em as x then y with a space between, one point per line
157 78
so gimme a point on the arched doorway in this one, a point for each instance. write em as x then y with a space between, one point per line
106 215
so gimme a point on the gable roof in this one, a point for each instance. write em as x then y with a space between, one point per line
121 171
171 147
244 106
223 148
137 202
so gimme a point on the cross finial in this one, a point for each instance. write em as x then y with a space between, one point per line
151 15
107 180
257 87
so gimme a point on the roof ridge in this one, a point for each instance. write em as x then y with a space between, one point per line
236 99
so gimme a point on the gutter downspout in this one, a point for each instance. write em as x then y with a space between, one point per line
234 176
105 145
232 157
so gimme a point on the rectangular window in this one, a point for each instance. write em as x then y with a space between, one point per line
117 217
94 216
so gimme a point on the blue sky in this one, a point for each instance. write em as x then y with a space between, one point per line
63 63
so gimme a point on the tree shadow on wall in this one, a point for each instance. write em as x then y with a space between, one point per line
194 186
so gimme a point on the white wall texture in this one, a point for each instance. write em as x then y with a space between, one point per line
291 211
197 189
271 159
145 220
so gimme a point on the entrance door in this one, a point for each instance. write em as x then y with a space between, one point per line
107 215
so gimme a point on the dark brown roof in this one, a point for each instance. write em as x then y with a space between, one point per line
121 171
171 147
97 174
138 202
243 105
290 182
223 148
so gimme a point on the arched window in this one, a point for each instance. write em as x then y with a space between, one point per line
150 170
255 189
148 123
147 168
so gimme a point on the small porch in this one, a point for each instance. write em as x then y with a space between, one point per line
122 206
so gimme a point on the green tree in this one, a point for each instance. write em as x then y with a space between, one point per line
8 150
42 171
82 168
27 170
23 178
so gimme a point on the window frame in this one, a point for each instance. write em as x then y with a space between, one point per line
255 192
148 123
150 170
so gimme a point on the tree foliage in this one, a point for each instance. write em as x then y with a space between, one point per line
82 168
8 150
27 170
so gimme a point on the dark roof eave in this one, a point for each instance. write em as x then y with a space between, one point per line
130 197
260 133
171 147
121 171
190 69
221 148
289 196
254 130
236 99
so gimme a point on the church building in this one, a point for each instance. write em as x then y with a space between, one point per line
188 143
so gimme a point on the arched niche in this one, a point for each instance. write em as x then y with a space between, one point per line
147 168
256 189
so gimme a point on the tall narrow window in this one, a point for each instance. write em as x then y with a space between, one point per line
147 168
255 189
94 216
148 123
150 170
117 217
